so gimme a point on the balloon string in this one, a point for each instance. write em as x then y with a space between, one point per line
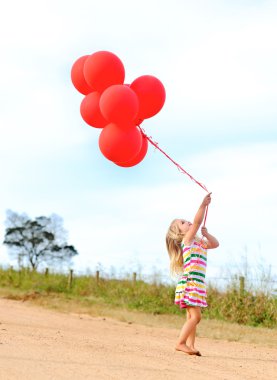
179 167
182 170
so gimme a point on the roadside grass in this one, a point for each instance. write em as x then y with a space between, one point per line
246 317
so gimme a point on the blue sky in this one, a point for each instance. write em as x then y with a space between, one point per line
217 61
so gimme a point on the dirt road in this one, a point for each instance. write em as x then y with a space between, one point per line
39 344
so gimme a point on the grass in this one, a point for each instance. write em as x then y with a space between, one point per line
245 308
230 315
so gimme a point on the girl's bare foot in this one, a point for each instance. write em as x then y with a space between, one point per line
184 348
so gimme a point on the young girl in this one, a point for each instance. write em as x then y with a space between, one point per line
188 258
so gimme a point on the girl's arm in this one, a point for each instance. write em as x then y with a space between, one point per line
198 219
212 242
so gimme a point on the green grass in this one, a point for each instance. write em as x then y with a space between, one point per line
231 306
250 309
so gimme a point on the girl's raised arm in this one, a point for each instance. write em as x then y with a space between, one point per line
198 219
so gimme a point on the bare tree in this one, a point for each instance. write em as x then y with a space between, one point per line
41 240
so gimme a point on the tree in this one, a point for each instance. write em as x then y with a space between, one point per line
42 240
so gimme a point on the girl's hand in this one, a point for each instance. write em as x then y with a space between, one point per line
204 231
211 242
207 200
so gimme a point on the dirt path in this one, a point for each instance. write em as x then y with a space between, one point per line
39 344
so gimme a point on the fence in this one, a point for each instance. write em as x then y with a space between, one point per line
239 281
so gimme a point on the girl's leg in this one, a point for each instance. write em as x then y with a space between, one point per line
191 337
188 329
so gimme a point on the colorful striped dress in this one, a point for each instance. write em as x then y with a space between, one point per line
191 288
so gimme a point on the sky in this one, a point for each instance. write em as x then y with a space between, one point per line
217 61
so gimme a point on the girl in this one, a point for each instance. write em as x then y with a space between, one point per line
188 257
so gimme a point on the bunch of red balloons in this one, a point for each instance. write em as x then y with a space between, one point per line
116 107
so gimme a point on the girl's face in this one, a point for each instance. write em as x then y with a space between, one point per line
183 225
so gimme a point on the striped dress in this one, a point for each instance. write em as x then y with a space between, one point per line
191 288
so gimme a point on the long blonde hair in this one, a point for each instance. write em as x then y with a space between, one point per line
173 240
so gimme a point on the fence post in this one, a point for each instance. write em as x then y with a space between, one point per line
46 271
11 273
97 277
134 278
70 278
241 285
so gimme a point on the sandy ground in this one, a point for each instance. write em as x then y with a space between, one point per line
36 343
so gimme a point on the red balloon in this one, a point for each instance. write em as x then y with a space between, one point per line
119 104
90 111
151 95
118 145
103 69
138 121
138 158
77 76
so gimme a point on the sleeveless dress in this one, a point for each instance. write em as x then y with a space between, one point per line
191 288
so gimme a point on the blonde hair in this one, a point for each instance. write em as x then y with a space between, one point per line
173 240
